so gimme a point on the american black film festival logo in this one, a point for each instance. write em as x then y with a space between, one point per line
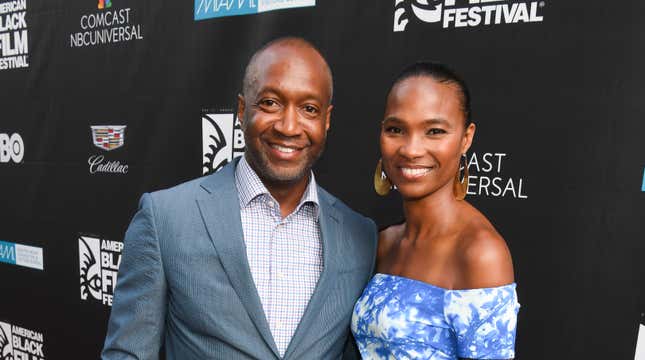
466 13
14 41
99 261
18 343
223 140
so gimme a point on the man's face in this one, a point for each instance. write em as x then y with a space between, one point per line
285 113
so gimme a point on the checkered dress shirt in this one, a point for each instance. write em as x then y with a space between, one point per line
285 255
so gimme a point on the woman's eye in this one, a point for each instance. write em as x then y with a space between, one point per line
393 130
436 131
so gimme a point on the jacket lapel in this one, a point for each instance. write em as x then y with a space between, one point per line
221 214
331 224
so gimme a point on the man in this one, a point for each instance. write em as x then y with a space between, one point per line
256 261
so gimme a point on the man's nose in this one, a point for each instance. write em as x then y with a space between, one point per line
289 123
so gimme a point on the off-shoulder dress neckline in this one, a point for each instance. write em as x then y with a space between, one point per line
511 285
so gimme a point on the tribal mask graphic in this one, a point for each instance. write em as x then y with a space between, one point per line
217 143
428 11
6 351
90 270
223 140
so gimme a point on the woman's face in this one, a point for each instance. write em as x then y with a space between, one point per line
423 136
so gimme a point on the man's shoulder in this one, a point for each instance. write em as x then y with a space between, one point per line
182 191
193 189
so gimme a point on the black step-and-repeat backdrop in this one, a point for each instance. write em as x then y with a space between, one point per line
101 100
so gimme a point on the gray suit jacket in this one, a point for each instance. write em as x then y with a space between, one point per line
185 282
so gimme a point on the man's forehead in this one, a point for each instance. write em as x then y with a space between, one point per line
289 65
288 55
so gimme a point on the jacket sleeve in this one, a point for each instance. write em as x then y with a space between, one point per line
136 324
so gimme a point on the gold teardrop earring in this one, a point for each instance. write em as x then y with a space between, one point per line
382 184
460 185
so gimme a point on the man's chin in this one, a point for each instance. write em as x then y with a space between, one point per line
285 175
278 173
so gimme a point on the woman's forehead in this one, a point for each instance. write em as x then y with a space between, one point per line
424 95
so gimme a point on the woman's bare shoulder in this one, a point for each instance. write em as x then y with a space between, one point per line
485 260
388 237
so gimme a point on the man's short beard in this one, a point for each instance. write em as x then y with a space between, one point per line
259 162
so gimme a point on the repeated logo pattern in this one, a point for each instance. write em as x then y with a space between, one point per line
466 13
108 137
207 9
99 261
18 343
105 4
223 140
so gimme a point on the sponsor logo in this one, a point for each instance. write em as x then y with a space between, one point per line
22 255
99 261
223 140
207 9
466 13
18 343
108 138
105 4
14 39
106 27
490 179
12 148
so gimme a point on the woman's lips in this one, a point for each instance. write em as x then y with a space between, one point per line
413 173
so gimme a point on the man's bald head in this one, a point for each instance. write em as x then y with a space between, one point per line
285 44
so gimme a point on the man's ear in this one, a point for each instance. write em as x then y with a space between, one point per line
328 117
241 107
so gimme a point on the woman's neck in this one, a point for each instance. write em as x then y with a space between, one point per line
431 215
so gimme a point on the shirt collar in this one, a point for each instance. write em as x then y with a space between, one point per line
249 186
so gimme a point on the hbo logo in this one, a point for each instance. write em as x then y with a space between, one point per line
11 148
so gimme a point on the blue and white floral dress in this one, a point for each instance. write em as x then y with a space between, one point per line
401 318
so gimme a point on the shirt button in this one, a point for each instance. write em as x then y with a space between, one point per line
281 276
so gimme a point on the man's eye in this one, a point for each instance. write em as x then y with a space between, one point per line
310 109
269 105
436 131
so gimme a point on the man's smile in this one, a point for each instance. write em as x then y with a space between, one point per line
284 151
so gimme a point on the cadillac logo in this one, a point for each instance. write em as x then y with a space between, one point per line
108 137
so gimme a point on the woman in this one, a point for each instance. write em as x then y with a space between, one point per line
444 284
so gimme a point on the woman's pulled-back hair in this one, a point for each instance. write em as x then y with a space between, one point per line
442 74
